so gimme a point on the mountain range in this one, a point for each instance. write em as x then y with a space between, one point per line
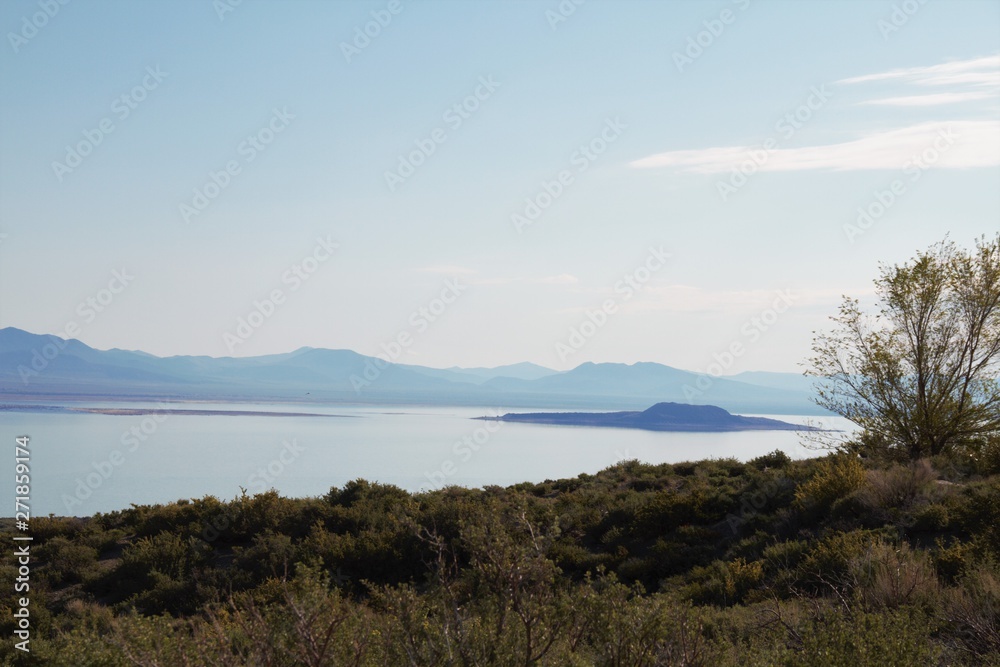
46 367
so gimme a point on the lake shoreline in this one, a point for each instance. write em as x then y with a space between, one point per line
133 412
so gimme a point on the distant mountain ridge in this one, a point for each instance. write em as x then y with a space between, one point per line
34 366
521 371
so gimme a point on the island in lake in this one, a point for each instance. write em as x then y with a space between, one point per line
660 417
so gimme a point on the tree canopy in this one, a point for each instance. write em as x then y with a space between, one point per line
919 375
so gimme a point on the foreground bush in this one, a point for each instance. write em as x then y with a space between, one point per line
774 562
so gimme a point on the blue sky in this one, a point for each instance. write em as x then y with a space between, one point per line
623 134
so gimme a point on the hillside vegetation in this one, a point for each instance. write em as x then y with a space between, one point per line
830 561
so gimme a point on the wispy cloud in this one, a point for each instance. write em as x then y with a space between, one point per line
975 79
929 100
976 144
976 141
985 70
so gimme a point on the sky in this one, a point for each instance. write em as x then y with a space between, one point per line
483 183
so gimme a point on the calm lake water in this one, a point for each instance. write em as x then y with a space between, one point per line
86 463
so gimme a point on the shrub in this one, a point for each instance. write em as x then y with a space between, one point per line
976 509
829 561
575 559
889 491
628 628
44 528
888 639
68 562
784 555
157 573
987 456
953 560
724 583
836 476
931 518
270 554
499 576
889 576
776 459
164 593
973 613
169 554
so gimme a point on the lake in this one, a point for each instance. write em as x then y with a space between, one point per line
85 463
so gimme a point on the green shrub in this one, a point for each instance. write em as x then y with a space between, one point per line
975 510
784 555
816 572
776 459
270 554
829 561
724 583
888 639
953 560
574 558
166 553
931 518
67 562
166 594
987 457
835 477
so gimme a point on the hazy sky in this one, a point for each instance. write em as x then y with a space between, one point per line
507 167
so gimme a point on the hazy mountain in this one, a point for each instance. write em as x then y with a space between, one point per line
522 371
41 366
647 379
789 381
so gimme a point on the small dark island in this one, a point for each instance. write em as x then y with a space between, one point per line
660 417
